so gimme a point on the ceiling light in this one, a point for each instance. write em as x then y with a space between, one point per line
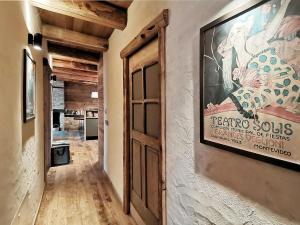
94 94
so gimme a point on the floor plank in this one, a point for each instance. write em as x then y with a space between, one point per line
79 193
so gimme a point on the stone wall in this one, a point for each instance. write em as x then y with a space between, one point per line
58 95
58 100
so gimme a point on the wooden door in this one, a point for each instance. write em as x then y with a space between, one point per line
145 133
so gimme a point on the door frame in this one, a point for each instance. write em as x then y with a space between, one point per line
101 112
47 71
155 29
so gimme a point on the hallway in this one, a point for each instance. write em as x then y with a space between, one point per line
157 112
79 193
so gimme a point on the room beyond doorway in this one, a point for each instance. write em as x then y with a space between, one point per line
74 110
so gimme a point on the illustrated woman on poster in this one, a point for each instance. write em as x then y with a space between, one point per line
267 63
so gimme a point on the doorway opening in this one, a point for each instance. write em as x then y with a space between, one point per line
73 104
75 111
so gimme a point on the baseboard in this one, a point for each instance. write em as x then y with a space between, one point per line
113 187
18 211
132 219
17 220
38 208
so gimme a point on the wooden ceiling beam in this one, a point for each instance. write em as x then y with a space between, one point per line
80 82
72 59
74 38
72 72
84 56
96 12
74 77
122 4
74 65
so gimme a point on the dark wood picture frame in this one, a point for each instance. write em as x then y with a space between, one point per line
227 17
155 29
27 58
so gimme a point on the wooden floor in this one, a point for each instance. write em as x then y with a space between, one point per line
79 194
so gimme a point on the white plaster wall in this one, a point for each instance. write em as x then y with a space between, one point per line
204 185
21 145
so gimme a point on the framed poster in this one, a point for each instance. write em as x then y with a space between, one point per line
29 78
250 82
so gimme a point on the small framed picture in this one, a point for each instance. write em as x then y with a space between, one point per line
29 80
250 82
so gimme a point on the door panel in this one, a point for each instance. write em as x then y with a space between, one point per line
136 167
153 120
145 133
138 117
137 79
152 176
152 81
144 57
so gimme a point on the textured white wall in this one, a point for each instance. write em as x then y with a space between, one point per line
21 145
204 185
207 185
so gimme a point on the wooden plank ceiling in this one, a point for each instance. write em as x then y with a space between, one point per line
77 33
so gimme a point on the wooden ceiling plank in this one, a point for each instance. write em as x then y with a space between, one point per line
123 4
74 75
73 71
74 65
54 49
79 82
92 11
72 59
78 39
75 24
61 76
